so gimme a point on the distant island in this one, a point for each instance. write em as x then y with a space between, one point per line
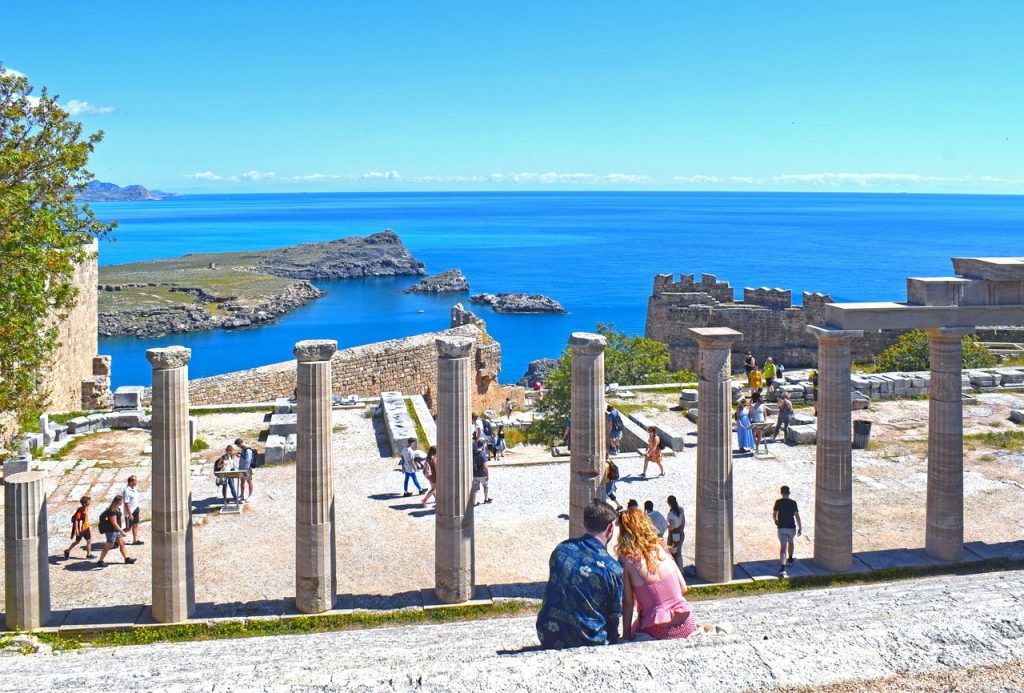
238 289
518 303
451 281
98 191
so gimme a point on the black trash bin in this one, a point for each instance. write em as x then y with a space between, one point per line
861 434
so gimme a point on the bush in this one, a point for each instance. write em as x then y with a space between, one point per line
199 445
913 353
514 437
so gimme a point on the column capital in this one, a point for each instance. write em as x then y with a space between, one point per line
169 357
24 478
828 333
714 336
953 333
587 342
454 347
315 350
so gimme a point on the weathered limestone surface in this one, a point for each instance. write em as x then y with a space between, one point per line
833 499
174 597
26 563
944 532
886 630
454 572
714 537
316 585
589 438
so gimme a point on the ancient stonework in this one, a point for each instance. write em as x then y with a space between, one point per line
770 323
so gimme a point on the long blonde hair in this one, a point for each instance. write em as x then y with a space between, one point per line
638 540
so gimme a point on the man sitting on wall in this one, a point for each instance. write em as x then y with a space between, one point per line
583 598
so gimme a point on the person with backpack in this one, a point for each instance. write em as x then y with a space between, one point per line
500 445
615 429
246 455
490 438
481 474
653 453
430 472
112 526
226 463
611 476
80 528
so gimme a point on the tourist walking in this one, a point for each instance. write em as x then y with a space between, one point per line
785 415
744 436
653 453
657 519
757 416
768 373
749 364
478 427
132 510
509 408
246 456
430 472
786 516
755 380
576 611
500 445
611 478
80 528
226 463
409 467
652 584
112 526
481 473
615 429
676 531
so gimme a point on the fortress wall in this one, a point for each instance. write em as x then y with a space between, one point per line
770 325
406 365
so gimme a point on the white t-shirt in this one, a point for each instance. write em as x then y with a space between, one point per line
659 522
675 519
408 466
131 498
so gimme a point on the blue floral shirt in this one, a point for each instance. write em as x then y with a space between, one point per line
583 598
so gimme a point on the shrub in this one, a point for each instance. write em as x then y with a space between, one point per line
913 353
199 445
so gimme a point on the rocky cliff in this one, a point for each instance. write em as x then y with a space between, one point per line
450 281
518 303
379 255
98 191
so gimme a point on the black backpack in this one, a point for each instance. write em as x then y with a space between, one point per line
487 427
106 526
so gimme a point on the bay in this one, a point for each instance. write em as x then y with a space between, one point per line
596 252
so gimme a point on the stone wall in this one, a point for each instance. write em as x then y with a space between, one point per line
406 365
770 323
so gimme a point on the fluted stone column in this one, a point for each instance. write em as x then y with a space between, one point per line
714 533
944 531
454 551
316 579
588 436
26 563
174 594
833 495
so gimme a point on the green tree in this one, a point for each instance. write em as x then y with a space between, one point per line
628 360
44 233
912 352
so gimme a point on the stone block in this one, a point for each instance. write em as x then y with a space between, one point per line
101 365
274 450
129 397
1017 416
60 432
687 397
859 400
18 464
397 422
692 415
426 419
127 418
670 438
801 419
34 440
79 424
283 405
283 424
802 434
193 430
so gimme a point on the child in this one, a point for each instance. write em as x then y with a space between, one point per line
611 475
80 529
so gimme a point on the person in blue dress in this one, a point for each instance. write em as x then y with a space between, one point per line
583 598
744 435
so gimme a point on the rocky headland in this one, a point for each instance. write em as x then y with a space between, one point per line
518 303
98 191
537 370
237 289
450 281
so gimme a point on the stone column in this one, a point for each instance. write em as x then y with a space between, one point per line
714 533
174 595
454 554
588 436
944 531
316 578
26 559
833 495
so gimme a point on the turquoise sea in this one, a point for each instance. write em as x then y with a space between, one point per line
597 253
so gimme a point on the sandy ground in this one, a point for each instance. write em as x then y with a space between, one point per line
385 542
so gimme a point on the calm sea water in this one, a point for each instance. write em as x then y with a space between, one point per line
597 253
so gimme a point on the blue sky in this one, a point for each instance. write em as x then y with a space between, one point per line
272 96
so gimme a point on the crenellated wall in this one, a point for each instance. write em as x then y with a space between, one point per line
771 325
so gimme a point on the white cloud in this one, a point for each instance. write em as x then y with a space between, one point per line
316 176
257 176
831 180
556 178
75 107
202 175
13 72
386 175
698 179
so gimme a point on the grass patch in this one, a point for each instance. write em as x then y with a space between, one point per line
255 409
70 446
339 428
186 632
1012 441
421 435
627 408
200 444
667 390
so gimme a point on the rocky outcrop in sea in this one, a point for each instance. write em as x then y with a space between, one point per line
450 281
379 255
159 321
538 370
518 303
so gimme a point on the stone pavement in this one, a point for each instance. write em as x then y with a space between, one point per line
793 639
